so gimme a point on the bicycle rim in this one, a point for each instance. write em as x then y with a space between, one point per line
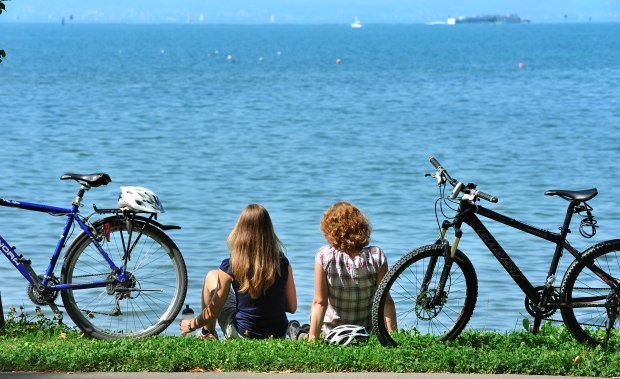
142 306
588 296
420 307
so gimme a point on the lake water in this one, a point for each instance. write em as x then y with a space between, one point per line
215 117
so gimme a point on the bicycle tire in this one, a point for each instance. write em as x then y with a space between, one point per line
587 324
461 292
142 308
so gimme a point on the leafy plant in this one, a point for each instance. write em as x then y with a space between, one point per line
20 323
553 351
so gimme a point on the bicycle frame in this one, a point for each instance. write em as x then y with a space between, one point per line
467 214
23 265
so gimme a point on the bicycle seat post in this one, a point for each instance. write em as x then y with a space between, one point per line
78 199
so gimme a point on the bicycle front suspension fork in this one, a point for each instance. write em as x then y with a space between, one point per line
449 254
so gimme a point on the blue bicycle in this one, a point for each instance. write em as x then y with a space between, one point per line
122 276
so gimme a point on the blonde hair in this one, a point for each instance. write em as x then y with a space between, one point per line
345 227
255 251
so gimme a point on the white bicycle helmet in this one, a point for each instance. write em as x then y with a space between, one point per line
346 335
139 199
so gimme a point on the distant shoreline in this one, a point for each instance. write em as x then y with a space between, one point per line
4 21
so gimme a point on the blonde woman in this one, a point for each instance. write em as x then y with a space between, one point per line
346 273
262 280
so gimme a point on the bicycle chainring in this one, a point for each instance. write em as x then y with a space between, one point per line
542 312
46 297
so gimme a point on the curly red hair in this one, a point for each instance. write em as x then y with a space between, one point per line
345 227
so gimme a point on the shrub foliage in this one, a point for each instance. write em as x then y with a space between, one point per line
39 344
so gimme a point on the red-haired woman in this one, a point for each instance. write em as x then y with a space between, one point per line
346 273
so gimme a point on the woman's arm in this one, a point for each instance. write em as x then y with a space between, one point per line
215 292
319 303
290 292
389 309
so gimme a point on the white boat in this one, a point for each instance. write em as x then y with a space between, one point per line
356 24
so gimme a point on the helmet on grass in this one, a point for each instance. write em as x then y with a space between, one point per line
139 199
346 335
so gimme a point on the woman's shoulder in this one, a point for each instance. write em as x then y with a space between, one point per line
326 250
325 254
225 266
375 254
284 262
374 250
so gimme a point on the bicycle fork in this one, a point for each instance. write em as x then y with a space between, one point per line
440 296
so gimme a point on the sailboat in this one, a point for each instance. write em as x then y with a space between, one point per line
356 24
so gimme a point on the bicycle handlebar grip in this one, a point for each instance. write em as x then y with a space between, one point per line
487 197
442 171
434 162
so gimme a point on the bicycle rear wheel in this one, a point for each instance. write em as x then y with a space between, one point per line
588 297
146 302
413 283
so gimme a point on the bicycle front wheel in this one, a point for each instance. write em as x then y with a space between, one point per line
142 305
422 306
589 299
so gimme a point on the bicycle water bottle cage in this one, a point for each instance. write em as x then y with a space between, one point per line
92 180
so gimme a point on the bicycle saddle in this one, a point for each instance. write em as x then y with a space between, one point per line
93 180
583 195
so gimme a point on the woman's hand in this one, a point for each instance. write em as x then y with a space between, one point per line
186 327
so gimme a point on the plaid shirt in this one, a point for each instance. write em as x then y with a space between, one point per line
351 285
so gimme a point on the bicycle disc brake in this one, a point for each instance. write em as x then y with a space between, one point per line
430 303
542 312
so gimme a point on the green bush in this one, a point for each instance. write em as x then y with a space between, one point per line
38 344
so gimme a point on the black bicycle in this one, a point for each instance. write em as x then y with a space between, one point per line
435 287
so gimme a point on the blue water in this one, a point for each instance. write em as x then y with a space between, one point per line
280 123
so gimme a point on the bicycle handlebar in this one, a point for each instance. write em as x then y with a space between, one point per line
487 197
458 186
442 171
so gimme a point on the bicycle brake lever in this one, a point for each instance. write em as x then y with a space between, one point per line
440 179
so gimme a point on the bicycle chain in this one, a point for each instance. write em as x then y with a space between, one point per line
89 275
92 312
583 323
562 322
591 289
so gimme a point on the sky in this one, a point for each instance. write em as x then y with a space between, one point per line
301 11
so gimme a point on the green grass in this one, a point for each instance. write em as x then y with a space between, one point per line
41 345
